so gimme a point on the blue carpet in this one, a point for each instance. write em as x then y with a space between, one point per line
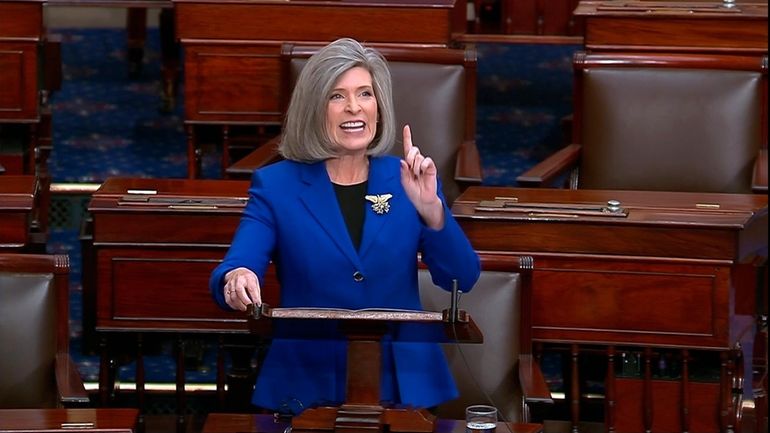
107 125
524 92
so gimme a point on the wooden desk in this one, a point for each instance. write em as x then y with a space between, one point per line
146 269
21 35
29 72
244 423
70 420
157 243
676 26
18 211
232 49
670 273
21 32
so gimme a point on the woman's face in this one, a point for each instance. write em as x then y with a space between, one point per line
351 112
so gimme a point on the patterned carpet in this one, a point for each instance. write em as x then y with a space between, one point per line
107 125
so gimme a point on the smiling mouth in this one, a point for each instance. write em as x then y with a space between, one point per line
357 126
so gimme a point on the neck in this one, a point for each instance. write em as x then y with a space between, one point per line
348 170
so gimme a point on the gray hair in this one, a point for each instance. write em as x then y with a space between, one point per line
304 137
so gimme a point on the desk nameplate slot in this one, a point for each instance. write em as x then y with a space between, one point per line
551 210
651 8
181 202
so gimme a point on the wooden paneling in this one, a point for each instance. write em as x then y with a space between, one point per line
616 302
425 22
232 83
21 19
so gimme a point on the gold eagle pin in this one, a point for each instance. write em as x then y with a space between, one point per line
380 203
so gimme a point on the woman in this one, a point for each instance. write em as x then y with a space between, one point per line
344 223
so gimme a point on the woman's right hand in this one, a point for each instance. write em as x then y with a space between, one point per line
242 289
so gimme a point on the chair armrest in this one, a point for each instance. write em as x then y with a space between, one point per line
548 170
759 178
533 385
72 391
261 156
468 165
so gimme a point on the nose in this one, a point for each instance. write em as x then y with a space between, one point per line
353 105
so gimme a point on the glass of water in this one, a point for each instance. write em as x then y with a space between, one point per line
480 418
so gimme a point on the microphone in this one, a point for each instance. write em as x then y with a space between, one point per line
454 312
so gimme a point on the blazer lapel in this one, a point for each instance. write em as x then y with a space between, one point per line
381 181
321 202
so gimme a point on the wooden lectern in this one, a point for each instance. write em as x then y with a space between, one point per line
362 409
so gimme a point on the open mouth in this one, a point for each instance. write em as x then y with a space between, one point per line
356 126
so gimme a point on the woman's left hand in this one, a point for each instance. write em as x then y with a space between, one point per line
419 177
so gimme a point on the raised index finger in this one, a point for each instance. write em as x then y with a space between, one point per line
407 140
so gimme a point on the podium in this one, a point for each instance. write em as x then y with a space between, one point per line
364 329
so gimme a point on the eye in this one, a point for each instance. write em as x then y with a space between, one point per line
335 96
367 93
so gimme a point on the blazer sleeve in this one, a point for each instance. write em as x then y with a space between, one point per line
253 242
449 255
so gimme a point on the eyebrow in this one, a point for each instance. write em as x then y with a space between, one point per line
366 87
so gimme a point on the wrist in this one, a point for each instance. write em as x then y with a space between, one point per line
433 214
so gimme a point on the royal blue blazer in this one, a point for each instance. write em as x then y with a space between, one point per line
293 219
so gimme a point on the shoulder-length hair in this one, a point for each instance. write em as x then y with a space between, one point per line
304 136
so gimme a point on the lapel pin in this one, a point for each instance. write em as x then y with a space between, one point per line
380 203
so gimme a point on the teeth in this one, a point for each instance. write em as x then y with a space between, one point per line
352 125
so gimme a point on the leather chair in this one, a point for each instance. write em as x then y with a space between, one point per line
37 370
434 90
500 371
664 122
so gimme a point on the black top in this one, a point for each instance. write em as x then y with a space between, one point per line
352 204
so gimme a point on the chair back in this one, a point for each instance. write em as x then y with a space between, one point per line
676 122
33 301
434 91
486 373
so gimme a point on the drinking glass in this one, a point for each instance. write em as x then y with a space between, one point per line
480 418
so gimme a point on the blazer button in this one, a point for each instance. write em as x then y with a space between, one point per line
358 277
